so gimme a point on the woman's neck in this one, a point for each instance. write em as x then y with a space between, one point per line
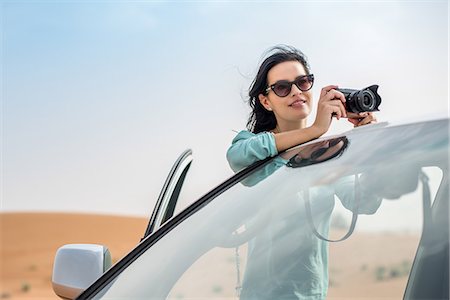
289 126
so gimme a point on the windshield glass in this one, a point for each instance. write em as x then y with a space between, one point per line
336 218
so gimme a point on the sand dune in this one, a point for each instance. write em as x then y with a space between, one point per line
29 242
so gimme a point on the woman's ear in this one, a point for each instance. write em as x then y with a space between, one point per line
264 102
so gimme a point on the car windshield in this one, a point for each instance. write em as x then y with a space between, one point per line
341 217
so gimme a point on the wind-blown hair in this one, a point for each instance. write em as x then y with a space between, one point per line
260 119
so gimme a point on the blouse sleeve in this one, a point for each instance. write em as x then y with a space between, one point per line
247 148
345 190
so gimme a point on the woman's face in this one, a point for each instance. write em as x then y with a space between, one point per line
296 105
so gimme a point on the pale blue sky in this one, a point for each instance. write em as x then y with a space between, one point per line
99 98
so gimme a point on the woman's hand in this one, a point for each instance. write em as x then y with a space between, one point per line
363 118
331 103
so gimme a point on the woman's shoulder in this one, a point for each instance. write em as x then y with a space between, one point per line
243 135
248 147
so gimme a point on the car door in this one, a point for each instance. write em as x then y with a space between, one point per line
429 278
168 197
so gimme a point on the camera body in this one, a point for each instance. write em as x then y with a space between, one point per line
366 99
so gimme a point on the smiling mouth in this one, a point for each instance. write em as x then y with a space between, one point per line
298 102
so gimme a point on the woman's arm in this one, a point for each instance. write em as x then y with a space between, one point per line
288 139
247 148
346 187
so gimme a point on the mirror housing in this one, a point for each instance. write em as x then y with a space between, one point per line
77 266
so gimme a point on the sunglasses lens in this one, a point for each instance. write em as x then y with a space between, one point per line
334 142
282 89
318 153
304 83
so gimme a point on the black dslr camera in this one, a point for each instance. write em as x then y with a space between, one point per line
363 100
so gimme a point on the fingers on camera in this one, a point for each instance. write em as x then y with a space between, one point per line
340 107
327 89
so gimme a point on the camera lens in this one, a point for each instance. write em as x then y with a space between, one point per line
366 100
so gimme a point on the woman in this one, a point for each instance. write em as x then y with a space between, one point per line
281 100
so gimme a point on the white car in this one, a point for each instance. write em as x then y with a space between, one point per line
364 214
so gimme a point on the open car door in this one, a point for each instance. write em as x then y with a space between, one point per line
167 200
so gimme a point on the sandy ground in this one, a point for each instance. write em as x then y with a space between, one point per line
29 242
360 268
367 266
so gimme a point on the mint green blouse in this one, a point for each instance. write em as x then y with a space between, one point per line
308 274
247 148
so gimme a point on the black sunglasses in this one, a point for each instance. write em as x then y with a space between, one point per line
321 151
283 88
297 161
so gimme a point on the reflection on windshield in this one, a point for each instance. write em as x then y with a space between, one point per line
318 152
301 157
254 241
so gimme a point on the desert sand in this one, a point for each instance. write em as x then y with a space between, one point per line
29 242
367 266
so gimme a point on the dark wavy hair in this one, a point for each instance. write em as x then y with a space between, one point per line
261 119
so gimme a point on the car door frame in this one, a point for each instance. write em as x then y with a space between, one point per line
168 197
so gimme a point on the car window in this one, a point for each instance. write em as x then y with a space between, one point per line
167 202
266 237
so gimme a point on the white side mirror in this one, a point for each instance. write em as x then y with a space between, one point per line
77 266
